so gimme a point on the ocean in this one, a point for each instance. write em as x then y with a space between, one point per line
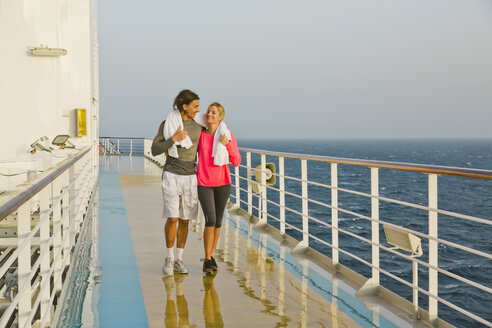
456 194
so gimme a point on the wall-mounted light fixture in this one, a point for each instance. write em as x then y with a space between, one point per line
62 141
45 51
42 144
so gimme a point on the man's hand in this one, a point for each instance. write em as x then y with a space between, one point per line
179 135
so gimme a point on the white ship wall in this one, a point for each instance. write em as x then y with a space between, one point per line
39 95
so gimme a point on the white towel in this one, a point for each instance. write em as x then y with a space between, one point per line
173 121
201 118
219 151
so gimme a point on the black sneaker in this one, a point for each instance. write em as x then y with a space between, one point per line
207 266
215 267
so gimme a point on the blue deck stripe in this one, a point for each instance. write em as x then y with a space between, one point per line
121 302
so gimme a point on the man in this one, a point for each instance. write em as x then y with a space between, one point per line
179 184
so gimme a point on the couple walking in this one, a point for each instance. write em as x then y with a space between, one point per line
183 134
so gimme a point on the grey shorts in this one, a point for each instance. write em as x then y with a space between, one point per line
179 194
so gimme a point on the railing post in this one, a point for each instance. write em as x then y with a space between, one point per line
71 178
118 147
334 212
433 255
238 191
263 190
66 218
75 200
305 205
282 194
56 227
24 262
415 281
375 224
131 146
44 236
248 175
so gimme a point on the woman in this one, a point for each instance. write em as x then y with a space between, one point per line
214 178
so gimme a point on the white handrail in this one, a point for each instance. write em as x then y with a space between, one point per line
432 209
442 241
61 183
391 250
390 200
45 283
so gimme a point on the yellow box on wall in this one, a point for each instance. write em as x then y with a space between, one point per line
81 122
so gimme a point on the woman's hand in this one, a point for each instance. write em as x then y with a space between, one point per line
179 135
223 139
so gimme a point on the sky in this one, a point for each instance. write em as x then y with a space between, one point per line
321 69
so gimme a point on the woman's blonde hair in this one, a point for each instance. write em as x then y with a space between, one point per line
220 108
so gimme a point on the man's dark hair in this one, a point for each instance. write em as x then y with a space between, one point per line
185 97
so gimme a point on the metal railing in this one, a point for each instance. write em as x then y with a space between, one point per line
121 146
425 298
297 220
159 159
47 213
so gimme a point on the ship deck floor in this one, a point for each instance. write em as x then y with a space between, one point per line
260 283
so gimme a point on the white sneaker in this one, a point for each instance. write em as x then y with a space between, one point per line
179 267
167 268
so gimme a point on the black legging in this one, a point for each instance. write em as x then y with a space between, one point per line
213 201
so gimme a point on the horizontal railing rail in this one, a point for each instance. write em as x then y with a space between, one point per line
126 138
15 201
423 168
59 197
442 241
122 146
299 217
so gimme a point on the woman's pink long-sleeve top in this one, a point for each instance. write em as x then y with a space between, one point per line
208 174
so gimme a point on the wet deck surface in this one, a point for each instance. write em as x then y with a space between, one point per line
259 282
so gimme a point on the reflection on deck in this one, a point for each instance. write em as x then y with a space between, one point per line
260 283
